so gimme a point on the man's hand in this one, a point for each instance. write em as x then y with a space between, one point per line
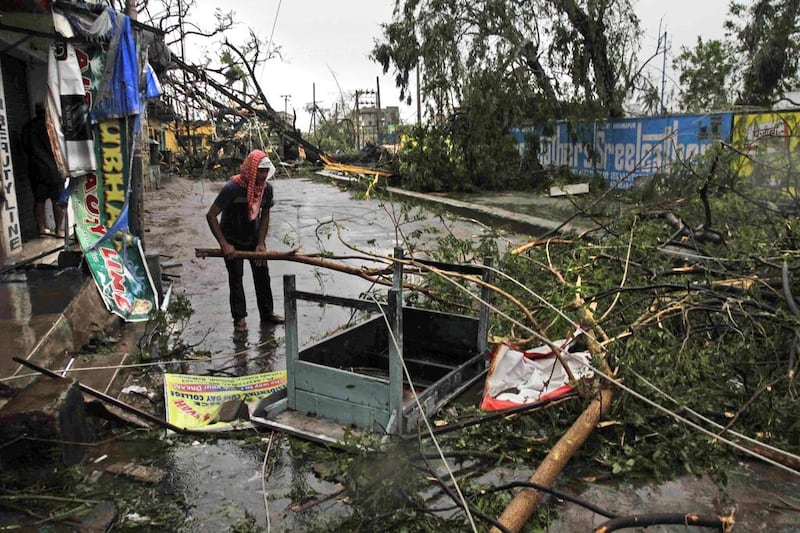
227 249
261 248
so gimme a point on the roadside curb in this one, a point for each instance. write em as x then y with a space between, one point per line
518 221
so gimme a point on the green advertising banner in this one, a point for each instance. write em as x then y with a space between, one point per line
117 261
115 257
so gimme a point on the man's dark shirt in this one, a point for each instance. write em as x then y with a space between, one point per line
237 228
41 163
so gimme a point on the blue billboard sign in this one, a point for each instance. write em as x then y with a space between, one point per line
623 149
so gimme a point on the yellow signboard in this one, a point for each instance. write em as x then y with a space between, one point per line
215 403
768 147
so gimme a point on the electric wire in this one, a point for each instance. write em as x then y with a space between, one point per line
269 48
272 32
647 382
683 420
709 421
264 480
612 380
144 365
424 416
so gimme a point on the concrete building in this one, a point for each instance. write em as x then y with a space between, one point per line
378 125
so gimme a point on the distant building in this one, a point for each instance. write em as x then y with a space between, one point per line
370 131
195 136
286 117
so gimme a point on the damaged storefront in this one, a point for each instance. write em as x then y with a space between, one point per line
23 67
84 65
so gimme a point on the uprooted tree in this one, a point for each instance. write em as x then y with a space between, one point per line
690 286
484 68
210 74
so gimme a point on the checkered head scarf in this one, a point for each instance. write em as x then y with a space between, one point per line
246 178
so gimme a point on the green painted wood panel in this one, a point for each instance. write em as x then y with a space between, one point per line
342 385
342 411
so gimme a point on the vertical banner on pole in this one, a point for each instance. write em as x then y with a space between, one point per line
11 234
97 92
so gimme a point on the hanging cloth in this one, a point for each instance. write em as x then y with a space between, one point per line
118 94
68 111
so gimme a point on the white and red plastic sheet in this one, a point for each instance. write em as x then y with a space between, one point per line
517 377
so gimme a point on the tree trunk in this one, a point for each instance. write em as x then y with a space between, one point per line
596 48
525 502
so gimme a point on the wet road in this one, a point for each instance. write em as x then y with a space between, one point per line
222 480
308 215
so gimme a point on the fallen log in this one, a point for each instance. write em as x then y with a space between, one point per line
519 511
525 502
373 275
721 523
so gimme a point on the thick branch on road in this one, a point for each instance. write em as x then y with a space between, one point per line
365 273
720 523
373 275
519 511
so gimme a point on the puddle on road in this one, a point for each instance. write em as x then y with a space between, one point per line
222 482
307 216
222 479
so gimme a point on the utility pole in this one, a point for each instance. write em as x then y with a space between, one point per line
664 75
286 107
357 122
419 105
314 110
136 177
189 142
285 119
379 118
359 93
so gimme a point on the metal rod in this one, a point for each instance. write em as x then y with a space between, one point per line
24 262
106 398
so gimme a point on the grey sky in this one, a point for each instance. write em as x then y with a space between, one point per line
326 41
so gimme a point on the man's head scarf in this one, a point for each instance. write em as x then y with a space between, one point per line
246 178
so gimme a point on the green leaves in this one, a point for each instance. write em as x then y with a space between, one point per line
707 75
756 62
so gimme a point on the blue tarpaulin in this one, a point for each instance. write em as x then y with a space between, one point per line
118 96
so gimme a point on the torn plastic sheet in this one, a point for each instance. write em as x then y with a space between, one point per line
517 377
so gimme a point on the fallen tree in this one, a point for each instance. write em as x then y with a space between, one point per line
667 309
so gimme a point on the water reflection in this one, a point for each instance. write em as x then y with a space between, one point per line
312 217
252 352
39 290
215 475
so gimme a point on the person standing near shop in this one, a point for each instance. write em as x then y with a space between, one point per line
239 220
46 182
156 160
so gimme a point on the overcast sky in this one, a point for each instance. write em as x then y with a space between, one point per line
328 41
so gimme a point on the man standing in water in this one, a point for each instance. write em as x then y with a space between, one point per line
244 203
